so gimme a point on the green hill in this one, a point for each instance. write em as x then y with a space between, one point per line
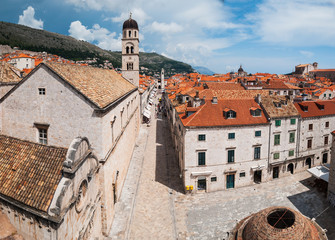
27 38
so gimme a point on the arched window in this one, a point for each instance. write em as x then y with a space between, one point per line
127 49
129 66
135 33
129 33
132 49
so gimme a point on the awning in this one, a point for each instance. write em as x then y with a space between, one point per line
205 173
148 107
146 113
259 167
320 172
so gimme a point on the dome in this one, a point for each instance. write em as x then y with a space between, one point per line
278 223
240 69
130 23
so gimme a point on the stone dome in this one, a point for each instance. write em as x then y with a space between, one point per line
130 23
278 223
240 69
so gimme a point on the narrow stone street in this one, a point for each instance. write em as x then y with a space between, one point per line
146 207
153 206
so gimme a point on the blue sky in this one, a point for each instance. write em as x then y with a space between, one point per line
264 36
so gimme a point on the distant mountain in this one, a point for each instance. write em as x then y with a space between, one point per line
203 70
37 40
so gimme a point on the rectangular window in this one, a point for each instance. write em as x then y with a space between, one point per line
257 152
327 124
326 140
290 153
43 136
242 174
309 143
231 154
41 91
277 139
310 127
213 179
201 158
231 135
278 123
276 156
292 137
292 121
201 137
258 133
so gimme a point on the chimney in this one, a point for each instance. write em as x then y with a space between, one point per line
215 100
258 99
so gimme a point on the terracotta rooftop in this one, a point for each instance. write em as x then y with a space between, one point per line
232 94
101 86
316 108
29 172
279 106
210 114
8 73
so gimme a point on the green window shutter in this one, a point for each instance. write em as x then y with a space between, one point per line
258 133
291 153
231 135
277 139
201 137
292 137
276 156
201 158
231 154
257 153
292 121
278 123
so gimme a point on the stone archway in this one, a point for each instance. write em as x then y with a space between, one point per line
290 168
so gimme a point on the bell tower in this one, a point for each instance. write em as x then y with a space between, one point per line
130 51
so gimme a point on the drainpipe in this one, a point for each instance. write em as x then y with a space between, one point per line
269 146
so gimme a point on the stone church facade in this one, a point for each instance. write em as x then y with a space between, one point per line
70 131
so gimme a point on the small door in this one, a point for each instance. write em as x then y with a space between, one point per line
275 173
309 162
290 168
230 181
325 158
258 176
202 183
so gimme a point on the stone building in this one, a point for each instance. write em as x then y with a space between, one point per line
277 223
283 134
331 181
304 69
214 153
130 51
316 124
50 192
9 77
22 61
228 143
58 102
327 73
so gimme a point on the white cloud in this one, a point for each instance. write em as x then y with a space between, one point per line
296 22
97 35
28 19
166 28
307 53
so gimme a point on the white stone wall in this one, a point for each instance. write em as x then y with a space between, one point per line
317 135
22 63
67 112
216 147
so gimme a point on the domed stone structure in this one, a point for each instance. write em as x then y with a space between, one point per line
278 223
130 23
